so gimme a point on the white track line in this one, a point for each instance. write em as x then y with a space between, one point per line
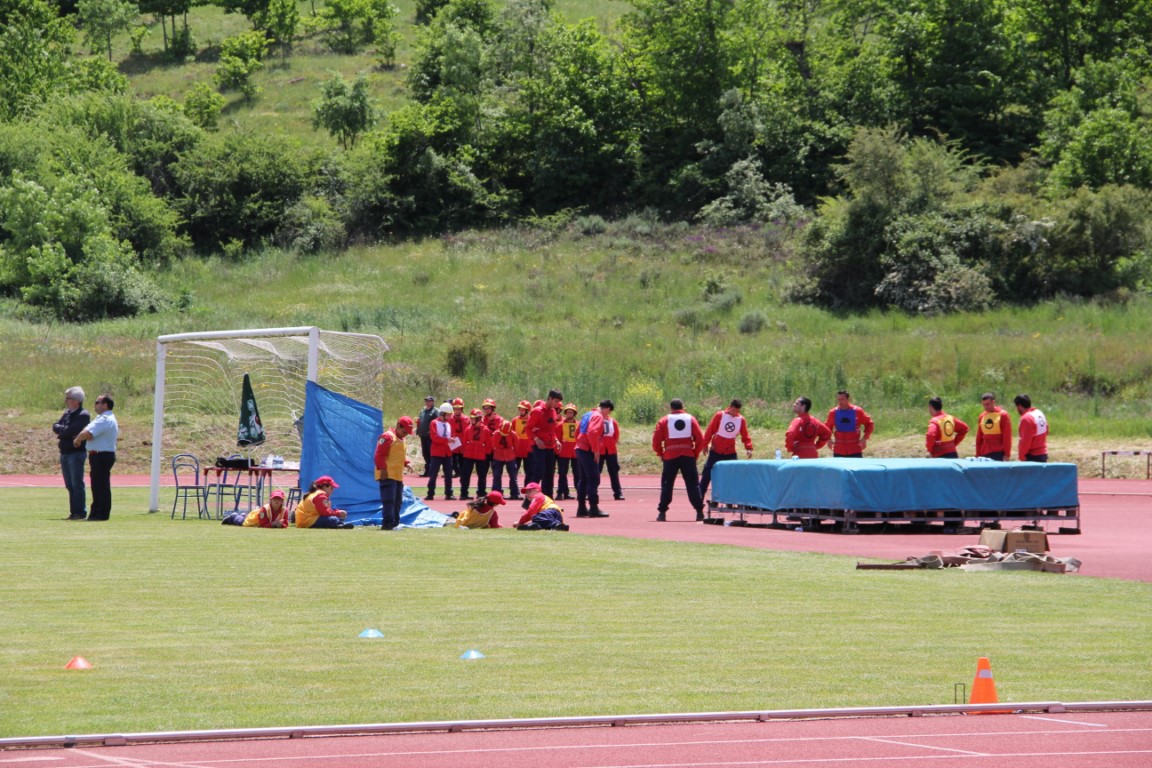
808 760
134 762
1069 722
879 740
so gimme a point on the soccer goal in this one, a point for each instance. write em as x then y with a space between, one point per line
199 378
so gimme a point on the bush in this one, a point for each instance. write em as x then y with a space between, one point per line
468 354
643 401
203 105
311 226
753 322
238 187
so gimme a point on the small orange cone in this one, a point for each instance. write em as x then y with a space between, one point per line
984 688
78 662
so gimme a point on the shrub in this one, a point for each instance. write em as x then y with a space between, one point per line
238 187
240 57
203 105
643 400
311 226
468 354
753 322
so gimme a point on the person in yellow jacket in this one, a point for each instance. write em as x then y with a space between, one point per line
481 513
391 459
315 510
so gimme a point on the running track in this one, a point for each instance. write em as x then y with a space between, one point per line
1117 533
1072 740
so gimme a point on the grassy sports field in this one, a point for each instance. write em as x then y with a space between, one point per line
192 625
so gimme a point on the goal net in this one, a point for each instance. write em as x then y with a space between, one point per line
199 378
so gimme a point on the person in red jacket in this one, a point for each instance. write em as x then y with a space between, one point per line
806 435
492 420
542 433
504 445
1033 431
945 432
851 427
993 430
678 441
566 452
720 437
524 443
459 422
443 440
609 453
589 444
476 442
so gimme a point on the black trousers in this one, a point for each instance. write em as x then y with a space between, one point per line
440 464
685 466
543 469
587 478
100 478
711 461
611 462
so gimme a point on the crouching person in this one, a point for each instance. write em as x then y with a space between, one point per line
481 513
543 513
315 510
271 515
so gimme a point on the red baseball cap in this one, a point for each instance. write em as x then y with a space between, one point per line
495 497
326 480
276 495
531 487
407 423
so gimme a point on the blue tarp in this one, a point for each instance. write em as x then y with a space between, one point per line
340 437
895 485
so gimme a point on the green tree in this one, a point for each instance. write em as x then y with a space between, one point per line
35 57
240 57
101 19
350 25
203 106
282 21
344 110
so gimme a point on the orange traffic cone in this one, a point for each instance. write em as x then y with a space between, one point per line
984 688
78 662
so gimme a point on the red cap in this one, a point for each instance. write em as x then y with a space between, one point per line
489 401
325 480
407 423
531 487
475 413
276 495
525 405
457 402
495 497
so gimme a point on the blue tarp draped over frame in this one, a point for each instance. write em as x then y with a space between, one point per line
895 485
340 437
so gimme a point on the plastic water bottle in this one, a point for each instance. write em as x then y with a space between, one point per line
278 461
778 454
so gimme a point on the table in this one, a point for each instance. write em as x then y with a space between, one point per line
256 479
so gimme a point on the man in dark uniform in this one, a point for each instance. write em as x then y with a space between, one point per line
70 424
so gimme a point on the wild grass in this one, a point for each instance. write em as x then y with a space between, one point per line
193 625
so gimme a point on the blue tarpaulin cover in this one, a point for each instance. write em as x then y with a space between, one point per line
340 437
895 485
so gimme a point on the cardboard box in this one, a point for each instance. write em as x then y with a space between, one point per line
1013 541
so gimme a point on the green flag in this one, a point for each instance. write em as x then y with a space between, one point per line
251 430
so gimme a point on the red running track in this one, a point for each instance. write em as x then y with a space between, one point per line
1116 520
1072 740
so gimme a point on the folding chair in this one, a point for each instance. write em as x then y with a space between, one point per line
185 464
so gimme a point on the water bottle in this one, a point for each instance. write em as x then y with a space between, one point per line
278 461
778 454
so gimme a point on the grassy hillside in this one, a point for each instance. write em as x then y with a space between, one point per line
639 313
290 85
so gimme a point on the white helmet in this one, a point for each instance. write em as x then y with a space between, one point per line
446 408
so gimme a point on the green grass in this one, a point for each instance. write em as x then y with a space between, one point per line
192 625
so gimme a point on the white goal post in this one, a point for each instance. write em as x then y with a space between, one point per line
199 378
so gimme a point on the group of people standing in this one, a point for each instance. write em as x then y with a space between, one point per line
81 439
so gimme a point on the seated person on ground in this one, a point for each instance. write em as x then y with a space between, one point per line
315 510
543 513
481 513
271 515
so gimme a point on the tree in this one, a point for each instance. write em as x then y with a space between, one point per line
240 57
344 110
282 21
349 25
35 57
101 19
